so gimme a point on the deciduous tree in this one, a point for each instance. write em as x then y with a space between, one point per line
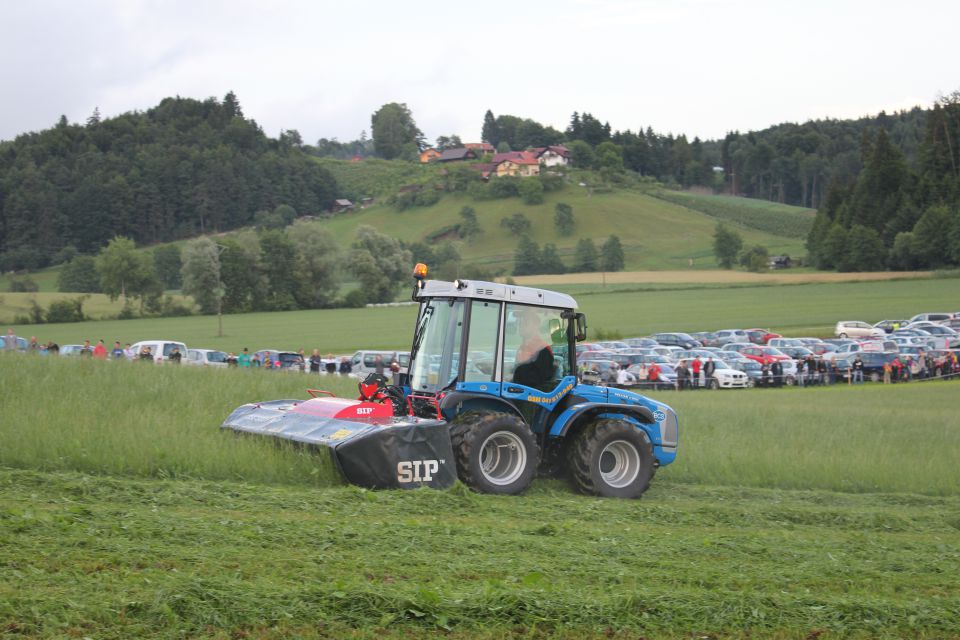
727 244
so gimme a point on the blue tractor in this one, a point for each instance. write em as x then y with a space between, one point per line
491 396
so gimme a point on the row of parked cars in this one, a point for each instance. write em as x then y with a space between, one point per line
745 357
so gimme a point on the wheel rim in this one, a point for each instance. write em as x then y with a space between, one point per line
503 458
619 464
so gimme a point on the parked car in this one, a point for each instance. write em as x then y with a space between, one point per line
857 329
639 342
780 343
767 355
160 349
666 380
726 376
613 345
726 336
682 340
206 358
889 326
706 338
364 362
280 360
873 362
761 336
71 349
939 316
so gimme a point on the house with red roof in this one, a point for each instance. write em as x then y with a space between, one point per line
552 156
516 163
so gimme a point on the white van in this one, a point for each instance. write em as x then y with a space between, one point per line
160 349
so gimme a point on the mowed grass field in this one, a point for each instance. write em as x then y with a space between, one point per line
125 512
627 309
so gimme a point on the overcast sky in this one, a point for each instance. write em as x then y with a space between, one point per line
700 67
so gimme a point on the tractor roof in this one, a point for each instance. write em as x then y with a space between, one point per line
479 290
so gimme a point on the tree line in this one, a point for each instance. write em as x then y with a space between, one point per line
898 212
182 168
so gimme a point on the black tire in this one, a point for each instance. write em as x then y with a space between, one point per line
874 376
495 452
714 383
611 458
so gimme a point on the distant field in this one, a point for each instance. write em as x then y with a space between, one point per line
625 309
96 306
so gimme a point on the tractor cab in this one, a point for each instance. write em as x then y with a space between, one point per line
504 343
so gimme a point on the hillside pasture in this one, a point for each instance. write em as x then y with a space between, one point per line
655 234
762 215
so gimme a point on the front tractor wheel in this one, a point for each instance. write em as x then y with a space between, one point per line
495 452
611 458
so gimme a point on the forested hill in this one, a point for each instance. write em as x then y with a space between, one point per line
182 168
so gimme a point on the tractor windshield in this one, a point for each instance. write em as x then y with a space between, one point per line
436 345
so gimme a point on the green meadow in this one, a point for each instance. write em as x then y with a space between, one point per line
125 512
625 310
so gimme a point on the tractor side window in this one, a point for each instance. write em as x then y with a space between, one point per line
535 347
482 341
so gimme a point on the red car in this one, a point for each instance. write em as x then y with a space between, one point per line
761 336
764 355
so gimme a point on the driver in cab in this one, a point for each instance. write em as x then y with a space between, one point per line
535 365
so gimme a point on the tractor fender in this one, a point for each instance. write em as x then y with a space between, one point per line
457 402
572 416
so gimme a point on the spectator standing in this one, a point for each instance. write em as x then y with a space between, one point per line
145 355
776 371
682 373
100 351
378 365
653 373
34 346
345 367
708 369
330 366
315 361
10 341
175 355
857 374
915 368
394 370
86 350
243 360
765 374
625 378
129 352
53 348
822 371
887 372
695 367
117 353
231 359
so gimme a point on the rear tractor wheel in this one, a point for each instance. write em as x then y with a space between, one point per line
495 452
611 458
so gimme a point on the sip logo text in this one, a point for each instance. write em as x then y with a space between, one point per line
417 470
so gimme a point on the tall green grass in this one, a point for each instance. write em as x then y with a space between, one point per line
124 418
762 215
127 419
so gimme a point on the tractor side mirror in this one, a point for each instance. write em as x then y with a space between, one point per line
579 324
